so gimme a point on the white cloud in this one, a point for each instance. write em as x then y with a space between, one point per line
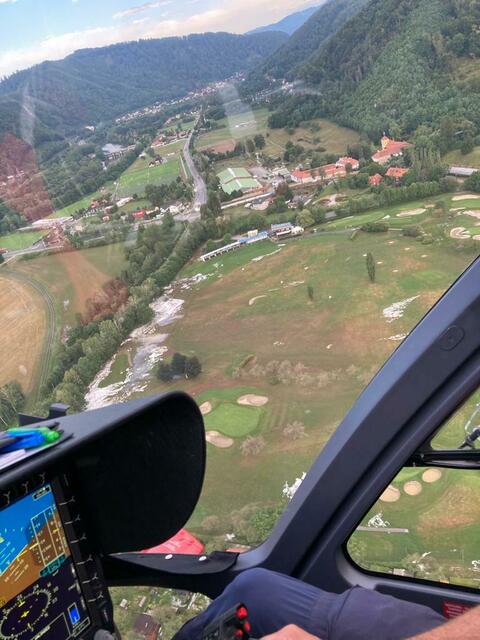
140 9
236 16
7 1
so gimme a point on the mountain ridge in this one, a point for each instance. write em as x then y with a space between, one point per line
98 84
290 23
396 66
305 42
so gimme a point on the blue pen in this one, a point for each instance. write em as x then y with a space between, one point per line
29 441
22 432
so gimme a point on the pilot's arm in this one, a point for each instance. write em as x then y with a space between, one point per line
465 627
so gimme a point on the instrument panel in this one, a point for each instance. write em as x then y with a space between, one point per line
50 584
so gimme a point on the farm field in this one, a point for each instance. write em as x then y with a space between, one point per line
255 331
172 147
320 132
74 277
20 239
185 126
23 328
41 296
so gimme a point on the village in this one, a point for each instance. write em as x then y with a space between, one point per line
249 178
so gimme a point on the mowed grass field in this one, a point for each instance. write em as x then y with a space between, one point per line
443 520
23 326
135 179
311 358
40 296
320 132
20 240
442 523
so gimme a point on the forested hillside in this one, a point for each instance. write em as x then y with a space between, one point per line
395 66
95 84
307 40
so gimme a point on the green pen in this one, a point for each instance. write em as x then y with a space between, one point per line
48 434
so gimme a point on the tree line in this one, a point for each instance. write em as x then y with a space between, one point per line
89 347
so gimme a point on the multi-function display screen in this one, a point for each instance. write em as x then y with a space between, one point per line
40 592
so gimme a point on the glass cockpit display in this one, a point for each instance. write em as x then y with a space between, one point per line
40 592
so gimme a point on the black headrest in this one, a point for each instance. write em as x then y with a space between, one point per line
139 482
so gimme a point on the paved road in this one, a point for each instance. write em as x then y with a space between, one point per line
51 326
21 252
198 183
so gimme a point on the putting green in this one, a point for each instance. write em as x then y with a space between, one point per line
233 420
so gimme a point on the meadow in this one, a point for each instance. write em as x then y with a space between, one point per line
23 327
20 239
319 132
459 159
135 179
255 329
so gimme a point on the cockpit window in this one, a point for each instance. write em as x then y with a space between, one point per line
198 196
425 523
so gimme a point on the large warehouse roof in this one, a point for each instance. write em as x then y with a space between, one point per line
237 179
241 184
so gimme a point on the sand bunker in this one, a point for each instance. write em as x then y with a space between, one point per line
253 300
391 494
468 196
431 475
413 488
455 209
205 408
413 212
476 238
218 440
474 213
459 233
251 400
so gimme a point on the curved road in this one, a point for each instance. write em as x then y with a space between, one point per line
198 182
51 326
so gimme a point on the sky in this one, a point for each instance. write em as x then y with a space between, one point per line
35 30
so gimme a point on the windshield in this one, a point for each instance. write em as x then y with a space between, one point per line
224 198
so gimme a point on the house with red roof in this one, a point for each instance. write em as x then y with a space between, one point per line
375 180
302 176
390 149
344 161
326 171
396 173
331 171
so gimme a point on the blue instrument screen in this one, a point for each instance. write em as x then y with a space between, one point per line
40 592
